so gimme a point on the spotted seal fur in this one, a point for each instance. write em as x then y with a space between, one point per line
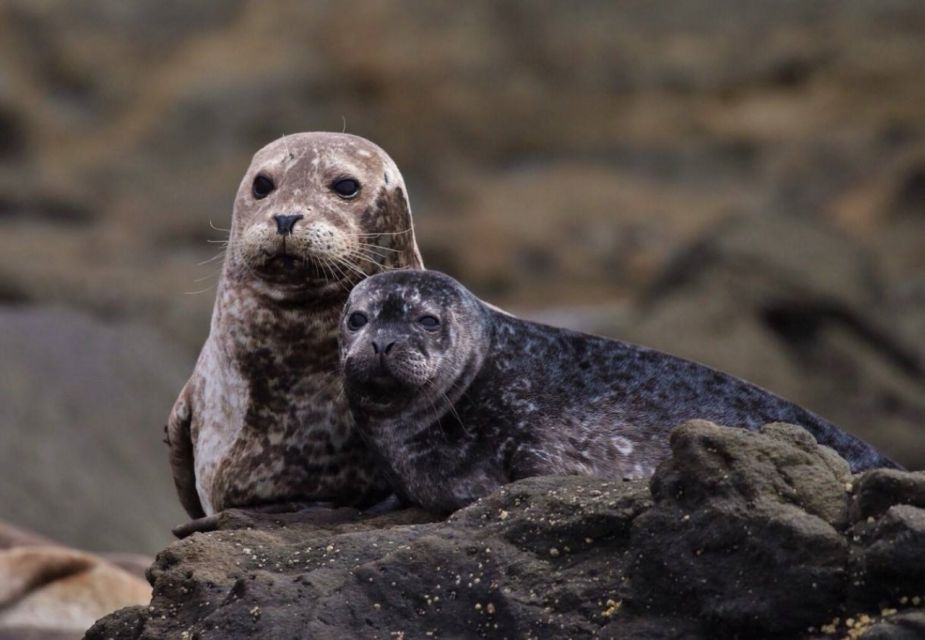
263 421
457 398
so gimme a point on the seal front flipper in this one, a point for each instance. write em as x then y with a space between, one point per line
180 443
276 514
196 525
212 522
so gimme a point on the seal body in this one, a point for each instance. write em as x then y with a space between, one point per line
457 398
263 420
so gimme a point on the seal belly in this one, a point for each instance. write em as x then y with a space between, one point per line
220 393
293 465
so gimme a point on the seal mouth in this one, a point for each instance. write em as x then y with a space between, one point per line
382 392
382 382
288 268
287 260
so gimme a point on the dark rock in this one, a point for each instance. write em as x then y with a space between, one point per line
739 534
879 489
742 529
782 465
528 561
894 556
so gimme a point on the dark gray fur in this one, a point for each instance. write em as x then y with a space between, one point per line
487 398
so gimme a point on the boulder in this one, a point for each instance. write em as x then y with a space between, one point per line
738 534
743 531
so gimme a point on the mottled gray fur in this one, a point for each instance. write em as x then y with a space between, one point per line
482 398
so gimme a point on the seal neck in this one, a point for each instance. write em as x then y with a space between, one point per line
244 321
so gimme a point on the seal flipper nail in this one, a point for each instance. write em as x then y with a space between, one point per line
263 419
477 398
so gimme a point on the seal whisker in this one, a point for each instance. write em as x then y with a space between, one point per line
380 265
218 228
385 233
352 267
207 276
432 385
346 278
376 246
325 268
340 277
240 258
196 293
218 255
366 254
453 410
373 259
336 274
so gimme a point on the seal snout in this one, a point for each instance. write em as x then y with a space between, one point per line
383 346
286 223
382 374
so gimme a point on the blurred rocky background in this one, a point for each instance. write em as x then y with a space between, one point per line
739 183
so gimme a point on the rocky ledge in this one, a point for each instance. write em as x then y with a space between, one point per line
739 534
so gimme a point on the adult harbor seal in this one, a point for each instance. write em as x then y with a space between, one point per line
457 398
262 421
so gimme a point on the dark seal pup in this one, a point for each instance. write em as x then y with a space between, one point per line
263 421
457 398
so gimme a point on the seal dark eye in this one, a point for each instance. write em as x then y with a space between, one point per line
262 187
346 187
356 320
429 322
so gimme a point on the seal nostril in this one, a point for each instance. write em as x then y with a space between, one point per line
380 350
285 223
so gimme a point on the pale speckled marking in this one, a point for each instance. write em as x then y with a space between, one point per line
223 394
263 418
505 399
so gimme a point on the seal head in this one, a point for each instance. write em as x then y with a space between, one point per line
315 213
407 341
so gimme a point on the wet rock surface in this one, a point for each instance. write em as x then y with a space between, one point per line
739 534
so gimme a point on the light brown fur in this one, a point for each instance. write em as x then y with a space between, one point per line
47 590
263 418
